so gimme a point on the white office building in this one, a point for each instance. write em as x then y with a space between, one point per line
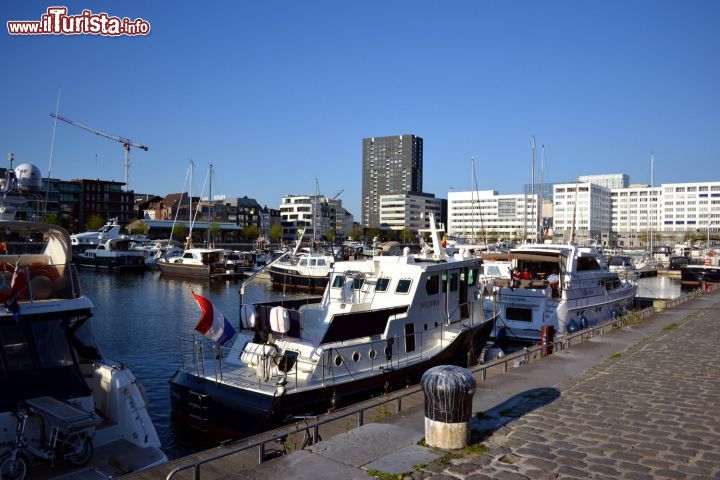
582 209
637 208
691 207
607 180
409 209
316 212
471 213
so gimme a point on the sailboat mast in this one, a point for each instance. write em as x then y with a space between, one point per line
652 185
210 208
532 190
542 192
187 240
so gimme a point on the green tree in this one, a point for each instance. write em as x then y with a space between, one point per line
371 233
215 231
251 232
406 235
180 231
356 233
52 219
330 234
276 232
95 222
138 227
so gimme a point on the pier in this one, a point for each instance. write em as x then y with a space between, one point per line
636 398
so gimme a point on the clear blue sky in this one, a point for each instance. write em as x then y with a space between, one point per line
278 93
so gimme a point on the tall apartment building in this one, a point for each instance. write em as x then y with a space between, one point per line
390 165
607 180
507 216
409 210
637 208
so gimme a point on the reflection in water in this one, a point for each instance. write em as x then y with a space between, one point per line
138 319
659 287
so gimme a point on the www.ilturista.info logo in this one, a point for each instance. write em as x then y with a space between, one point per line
57 22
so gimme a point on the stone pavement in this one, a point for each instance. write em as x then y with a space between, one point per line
650 412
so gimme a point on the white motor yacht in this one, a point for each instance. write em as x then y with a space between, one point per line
85 240
379 325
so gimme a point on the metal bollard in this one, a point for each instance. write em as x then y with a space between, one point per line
448 393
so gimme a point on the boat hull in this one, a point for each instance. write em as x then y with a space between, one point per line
293 279
194 271
215 406
697 275
123 262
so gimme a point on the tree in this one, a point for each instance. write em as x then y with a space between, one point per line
52 219
138 227
356 233
251 232
371 234
276 232
330 234
406 234
180 231
215 231
95 222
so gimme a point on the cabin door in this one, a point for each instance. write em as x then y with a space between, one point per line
452 294
463 294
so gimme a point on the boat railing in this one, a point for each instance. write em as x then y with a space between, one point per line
210 361
39 281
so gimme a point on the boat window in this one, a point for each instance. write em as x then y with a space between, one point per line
443 282
587 263
518 314
382 284
403 286
409 337
188 255
52 346
358 283
15 348
432 284
313 262
453 282
473 276
303 262
338 281
321 262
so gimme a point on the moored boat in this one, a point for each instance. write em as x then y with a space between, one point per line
113 254
200 263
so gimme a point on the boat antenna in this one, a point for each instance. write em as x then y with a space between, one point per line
52 149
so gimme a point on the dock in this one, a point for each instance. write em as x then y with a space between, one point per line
638 398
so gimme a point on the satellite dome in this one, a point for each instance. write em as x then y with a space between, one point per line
29 178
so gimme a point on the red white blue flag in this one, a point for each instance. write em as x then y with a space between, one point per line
213 323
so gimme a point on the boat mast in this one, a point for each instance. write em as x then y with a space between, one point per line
188 240
532 189
542 193
652 185
572 232
210 209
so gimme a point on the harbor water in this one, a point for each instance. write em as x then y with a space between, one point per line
139 317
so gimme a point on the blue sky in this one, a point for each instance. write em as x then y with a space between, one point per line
275 94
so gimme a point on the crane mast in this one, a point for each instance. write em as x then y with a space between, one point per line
126 143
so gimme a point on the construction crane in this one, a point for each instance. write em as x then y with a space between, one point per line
126 142
334 197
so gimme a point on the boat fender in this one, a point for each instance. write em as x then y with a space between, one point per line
279 320
584 322
493 353
248 316
252 352
572 326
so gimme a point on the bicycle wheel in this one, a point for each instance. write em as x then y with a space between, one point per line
78 449
17 469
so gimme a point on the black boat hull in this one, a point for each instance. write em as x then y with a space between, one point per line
699 274
214 406
294 280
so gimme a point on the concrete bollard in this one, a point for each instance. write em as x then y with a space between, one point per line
448 406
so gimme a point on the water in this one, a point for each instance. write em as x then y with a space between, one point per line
137 320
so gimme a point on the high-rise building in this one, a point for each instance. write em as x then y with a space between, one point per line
474 215
390 165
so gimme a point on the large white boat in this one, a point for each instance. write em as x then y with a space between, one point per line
85 240
64 409
201 263
379 325
566 286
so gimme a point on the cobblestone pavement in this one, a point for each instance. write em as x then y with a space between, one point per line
651 412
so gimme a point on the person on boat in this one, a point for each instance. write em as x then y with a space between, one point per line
526 275
554 280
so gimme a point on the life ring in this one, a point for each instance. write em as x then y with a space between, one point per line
7 274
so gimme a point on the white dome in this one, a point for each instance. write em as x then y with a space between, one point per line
28 177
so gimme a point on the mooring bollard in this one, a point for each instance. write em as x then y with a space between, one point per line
448 393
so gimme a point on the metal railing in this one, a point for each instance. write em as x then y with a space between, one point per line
40 282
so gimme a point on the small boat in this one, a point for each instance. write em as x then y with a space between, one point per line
85 240
201 263
65 410
306 271
699 274
380 324
621 264
567 287
113 254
